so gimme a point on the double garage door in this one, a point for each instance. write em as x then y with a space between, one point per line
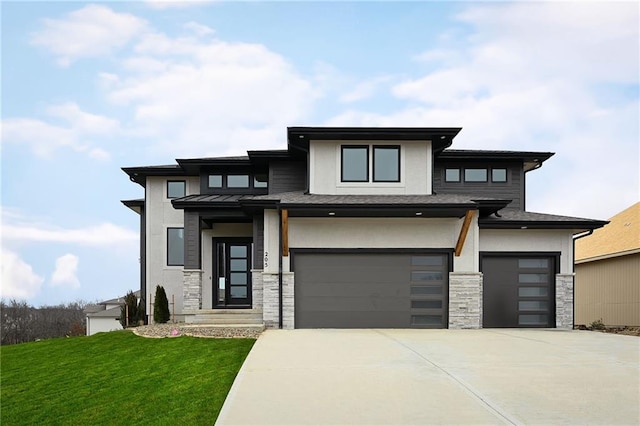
371 290
410 290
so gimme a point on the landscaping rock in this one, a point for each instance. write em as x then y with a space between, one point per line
181 329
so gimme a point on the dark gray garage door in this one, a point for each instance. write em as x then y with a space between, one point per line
518 291
371 290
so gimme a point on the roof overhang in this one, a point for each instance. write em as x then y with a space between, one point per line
139 174
531 159
440 137
577 226
136 205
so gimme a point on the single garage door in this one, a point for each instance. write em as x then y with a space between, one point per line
371 290
518 291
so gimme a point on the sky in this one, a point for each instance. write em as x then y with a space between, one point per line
88 88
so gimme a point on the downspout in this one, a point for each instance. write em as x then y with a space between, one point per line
279 268
584 234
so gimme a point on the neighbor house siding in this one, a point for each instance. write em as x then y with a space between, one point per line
513 189
287 176
609 289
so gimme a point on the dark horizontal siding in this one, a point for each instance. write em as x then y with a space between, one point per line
258 241
286 176
513 189
191 240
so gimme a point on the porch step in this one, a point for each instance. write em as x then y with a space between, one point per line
228 317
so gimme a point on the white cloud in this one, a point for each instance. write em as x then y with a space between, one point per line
92 31
65 274
365 89
176 4
19 281
18 228
45 137
199 29
195 97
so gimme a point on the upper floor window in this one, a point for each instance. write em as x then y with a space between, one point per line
386 164
475 175
355 164
452 175
237 181
215 181
176 188
175 246
260 181
498 175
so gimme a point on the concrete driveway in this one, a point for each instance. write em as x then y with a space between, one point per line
424 377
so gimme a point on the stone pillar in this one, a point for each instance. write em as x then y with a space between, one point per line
465 300
288 301
192 290
271 301
564 301
256 289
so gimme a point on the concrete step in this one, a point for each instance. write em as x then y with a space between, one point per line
227 316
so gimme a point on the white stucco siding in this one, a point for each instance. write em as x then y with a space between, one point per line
160 216
271 241
415 169
220 230
530 240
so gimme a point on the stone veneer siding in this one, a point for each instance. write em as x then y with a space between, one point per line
564 301
256 288
270 310
192 290
465 300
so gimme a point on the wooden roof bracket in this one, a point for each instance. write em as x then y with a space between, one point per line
463 232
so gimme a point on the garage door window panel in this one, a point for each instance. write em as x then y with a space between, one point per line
425 290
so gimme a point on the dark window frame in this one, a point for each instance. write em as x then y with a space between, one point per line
486 178
184 188
167 246
373 160
342 148
449 180
506 175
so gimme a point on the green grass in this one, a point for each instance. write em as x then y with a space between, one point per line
118 378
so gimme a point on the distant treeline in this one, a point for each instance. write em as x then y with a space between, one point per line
21 322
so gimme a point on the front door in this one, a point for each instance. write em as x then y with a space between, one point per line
232 269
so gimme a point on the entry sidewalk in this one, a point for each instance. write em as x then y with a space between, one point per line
401 377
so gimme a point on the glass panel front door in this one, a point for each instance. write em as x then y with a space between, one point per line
232 266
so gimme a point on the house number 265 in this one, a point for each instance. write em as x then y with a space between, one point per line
266 259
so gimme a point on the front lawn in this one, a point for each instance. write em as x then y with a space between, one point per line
118 378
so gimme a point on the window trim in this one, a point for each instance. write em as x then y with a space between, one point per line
486 177
170 228
373 161
342 148
452 181
184 184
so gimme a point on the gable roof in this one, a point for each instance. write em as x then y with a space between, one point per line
621 236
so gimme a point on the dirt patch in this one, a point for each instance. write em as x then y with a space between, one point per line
627 331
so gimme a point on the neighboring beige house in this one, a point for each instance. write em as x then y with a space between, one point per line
608 272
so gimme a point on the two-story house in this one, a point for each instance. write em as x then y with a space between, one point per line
358 227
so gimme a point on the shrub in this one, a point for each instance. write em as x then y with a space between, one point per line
142 314
598 325
161 306
129 311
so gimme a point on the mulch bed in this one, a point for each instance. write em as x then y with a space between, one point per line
627 331
181 329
